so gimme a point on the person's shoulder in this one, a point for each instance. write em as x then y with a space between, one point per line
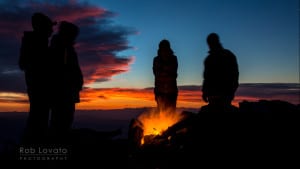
28 37
208 57
56 39
28 34
156 58
174 57
227 51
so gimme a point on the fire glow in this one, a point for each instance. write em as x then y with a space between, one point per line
155 122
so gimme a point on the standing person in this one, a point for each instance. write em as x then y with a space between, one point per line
67 79
165 67
34 61
218 122
220 74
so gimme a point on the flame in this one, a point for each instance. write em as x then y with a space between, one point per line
156 122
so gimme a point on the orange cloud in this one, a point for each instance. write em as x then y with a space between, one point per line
13 102
188 97
110 98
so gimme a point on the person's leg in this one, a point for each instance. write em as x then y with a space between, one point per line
159 100
174 101
62 116
37 121
67 117
165 103
170 102
228 99
61 119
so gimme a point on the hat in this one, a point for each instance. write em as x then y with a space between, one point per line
41 20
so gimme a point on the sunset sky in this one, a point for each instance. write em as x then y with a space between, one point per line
119 39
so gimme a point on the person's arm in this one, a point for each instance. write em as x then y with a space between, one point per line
175 66
78 72
234 70
172 68
23 58
154 67
204 84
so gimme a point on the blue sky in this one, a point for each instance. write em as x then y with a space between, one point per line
264 35
119 38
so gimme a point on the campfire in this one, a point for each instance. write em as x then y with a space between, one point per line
152 124
156 136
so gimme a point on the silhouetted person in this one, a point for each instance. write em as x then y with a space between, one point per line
34 61
67 79
218 129
220 74
165 67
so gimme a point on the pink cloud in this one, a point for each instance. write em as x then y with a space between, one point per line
99 40
71 11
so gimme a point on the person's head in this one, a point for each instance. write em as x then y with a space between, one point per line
42 24
68 31
164 44
164 48
213 41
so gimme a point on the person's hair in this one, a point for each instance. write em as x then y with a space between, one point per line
41 21
164 44
69 29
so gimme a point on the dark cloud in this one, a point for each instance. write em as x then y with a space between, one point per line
190 88
289 91
13 81
252 91
98 44
269 90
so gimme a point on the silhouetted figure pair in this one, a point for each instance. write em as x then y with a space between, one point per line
53 77
165 67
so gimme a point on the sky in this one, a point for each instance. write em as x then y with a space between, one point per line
119 39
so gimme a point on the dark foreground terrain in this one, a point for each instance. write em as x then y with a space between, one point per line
258 134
